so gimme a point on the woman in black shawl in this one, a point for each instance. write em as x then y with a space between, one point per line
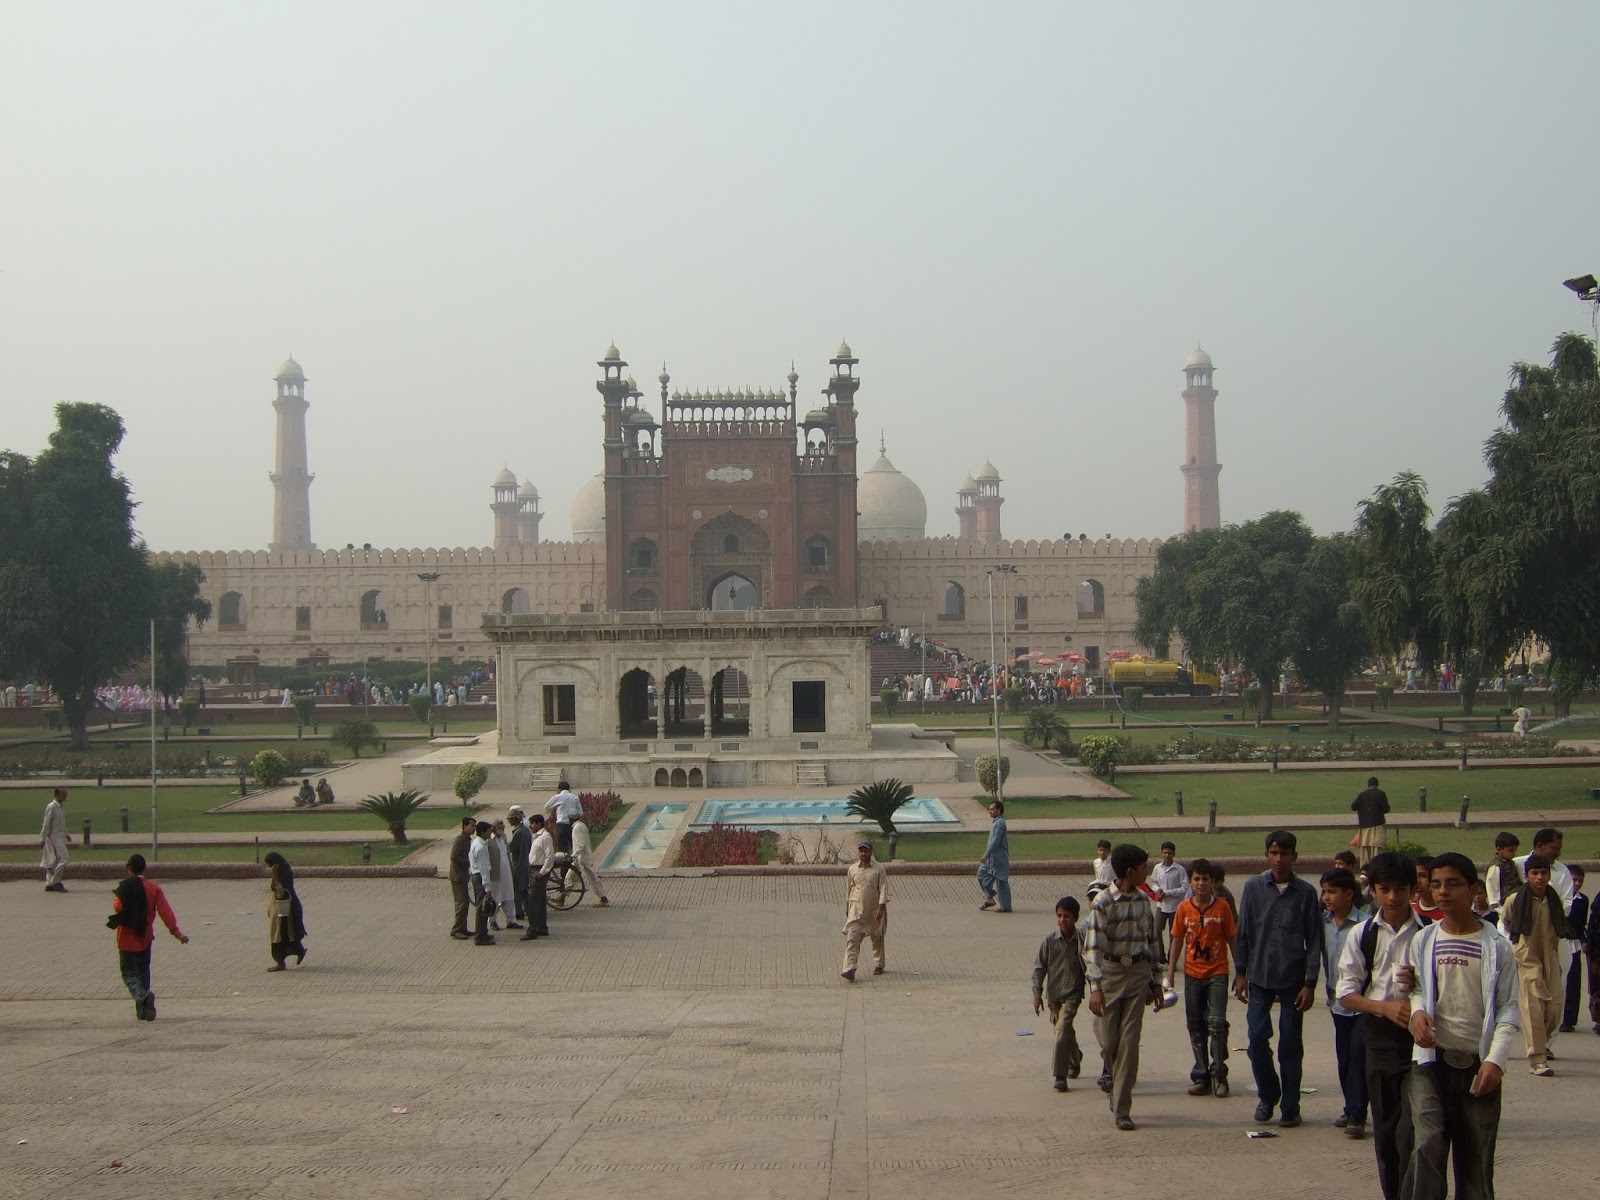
286 924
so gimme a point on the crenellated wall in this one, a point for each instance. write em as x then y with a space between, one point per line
909 576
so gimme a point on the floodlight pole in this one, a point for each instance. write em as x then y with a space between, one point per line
994 692
430 618
154 840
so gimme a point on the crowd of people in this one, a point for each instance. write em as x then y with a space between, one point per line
1432 971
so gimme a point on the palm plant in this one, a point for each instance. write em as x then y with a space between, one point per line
879 802
392 808
1043 724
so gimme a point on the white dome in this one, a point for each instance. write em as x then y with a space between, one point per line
506 478
1198 359
967 484
527 491
891 505
988 473
589 511
290 370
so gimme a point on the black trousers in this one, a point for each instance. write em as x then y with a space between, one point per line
538 904
1569 1009
564 836
135 967
1388 1067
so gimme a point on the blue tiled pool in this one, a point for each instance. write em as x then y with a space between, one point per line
780 814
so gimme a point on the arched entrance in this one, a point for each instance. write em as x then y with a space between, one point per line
724 547
730 703
732 592
636 705
683 705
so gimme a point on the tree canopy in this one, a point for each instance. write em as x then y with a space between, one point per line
75 583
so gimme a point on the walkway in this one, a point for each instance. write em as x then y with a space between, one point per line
694 1042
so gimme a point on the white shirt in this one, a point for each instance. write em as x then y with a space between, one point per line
478 862
541 852
1173 884
54 828
1102 872
581 846
1391 952
564 806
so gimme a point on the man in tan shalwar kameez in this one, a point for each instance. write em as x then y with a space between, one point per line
866 910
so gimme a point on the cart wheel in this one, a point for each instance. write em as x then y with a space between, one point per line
566 889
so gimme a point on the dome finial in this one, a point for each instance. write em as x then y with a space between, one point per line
882 449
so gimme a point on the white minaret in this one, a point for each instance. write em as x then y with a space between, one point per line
291 481
1202 506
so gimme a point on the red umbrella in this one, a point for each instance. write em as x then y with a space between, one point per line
1047 662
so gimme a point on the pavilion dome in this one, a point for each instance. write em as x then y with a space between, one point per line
967 484
890 503
506 478
290 370
527 491
988 473
589 511
1199 358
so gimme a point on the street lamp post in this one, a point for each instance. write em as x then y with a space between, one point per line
430 618
994 693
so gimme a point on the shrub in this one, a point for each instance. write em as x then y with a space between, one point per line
355 733
889 698
296 683
305 708
1133 697
1012 698
1100 752
721 846
1042 724
393 808
879 802
268 768
600 812
420 703
986 779
1410 848
1514 692
469 781
1064 746
1385 694
187 711
1252 697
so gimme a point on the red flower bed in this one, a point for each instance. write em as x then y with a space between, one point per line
721 846
600 811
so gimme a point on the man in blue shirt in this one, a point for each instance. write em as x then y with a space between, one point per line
994 872
1279 952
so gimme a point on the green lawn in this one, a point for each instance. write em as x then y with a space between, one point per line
384 853
183 810
1477 844
1240 793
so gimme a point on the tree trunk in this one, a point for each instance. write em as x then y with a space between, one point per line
1334 699
1265 685
1469 691
399 832
75 715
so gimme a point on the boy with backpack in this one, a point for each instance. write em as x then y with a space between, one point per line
1203 932
1374 982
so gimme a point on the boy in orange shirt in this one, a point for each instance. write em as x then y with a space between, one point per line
1203 931
136 904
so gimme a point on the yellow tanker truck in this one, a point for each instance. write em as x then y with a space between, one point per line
1162 677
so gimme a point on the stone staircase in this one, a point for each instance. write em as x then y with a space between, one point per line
541 778
811 774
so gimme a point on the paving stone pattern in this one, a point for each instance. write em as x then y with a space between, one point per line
694 1039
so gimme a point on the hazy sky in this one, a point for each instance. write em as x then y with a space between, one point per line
1022 216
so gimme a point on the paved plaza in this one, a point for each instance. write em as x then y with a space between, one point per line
695 1039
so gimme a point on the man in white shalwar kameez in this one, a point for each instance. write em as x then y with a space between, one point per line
53 842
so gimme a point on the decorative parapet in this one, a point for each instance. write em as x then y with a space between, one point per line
689 625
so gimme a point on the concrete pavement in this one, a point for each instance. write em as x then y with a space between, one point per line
694 1040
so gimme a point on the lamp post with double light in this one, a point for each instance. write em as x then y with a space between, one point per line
430 618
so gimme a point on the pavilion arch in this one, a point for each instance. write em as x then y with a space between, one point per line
230 613
954 603
683 704
374 609
726 545
643 600
515 601
1091 596
636 705
728 709
817 597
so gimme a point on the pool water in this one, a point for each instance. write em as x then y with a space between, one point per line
783 814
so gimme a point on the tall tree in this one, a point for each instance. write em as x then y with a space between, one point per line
1334 642
1396 572
74 580
1540 562
1234 593
175 594
1476 625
